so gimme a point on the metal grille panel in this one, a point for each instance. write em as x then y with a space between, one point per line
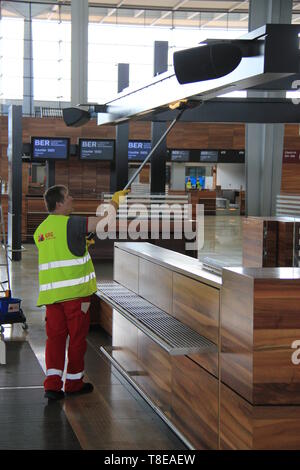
174 336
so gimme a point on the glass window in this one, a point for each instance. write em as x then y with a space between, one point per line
51 59
11 58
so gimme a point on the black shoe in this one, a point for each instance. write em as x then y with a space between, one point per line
87 388
54 395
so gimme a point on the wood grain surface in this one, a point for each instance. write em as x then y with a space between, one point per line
260 321
126 269
244 426
195 403
155 284
196 305
156 379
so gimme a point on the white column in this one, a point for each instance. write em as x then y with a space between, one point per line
79 51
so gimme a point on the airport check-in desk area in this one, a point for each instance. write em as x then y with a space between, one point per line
216 356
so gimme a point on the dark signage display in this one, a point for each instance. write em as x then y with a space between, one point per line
231 156
96 149
209 156
49 148
291 156
180 155
138 150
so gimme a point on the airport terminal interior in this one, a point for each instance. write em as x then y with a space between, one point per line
194 334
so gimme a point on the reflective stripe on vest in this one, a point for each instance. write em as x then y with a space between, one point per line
67 283
64 263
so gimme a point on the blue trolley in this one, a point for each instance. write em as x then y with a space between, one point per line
10 307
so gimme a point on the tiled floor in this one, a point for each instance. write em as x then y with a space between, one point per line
114 416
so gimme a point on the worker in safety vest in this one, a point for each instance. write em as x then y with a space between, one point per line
66 282
198 184
189 184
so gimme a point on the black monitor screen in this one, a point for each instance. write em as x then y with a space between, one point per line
50 148
210 156
232 156
96 149
180 155
138 150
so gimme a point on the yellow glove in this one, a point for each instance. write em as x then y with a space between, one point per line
89 243
119 196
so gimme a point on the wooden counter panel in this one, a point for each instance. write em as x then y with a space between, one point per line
105 317
155 284
285 244
126 269
237 333
236 421
244 426
276 428
156 380
209 362
252 242
125 343
195 396
260 321
277 304
259 242
196 305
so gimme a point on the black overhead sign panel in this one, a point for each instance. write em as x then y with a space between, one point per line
231 156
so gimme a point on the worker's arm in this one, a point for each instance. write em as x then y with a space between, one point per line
115 201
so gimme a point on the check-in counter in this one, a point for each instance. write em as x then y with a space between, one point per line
215 356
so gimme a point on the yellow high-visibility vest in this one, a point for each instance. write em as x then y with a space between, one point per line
62 275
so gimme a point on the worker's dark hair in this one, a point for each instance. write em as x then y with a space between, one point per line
53 195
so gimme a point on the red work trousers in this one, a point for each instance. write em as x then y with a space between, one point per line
62 319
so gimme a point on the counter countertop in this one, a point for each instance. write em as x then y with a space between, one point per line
179 263
267 273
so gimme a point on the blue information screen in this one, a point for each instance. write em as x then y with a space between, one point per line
50 148
96 149
138 150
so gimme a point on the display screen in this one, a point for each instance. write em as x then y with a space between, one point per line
210 156
180 155
138 150
231 156
49 148
96 149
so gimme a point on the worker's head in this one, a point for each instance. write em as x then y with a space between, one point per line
58 200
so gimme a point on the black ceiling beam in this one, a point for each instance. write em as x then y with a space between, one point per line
277 59
250 110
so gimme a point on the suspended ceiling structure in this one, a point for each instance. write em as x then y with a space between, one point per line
168 13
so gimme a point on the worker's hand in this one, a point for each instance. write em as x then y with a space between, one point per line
89 242
119 196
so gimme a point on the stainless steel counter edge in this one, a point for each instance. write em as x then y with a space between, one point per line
177 262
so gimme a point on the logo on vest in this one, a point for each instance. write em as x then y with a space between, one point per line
47 236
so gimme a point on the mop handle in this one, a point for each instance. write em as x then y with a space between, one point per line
153 150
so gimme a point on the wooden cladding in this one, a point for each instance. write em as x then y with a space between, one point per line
260 321
268 242
191 135
247 427
246 395
196 305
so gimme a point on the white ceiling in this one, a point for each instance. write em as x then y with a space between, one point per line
168 13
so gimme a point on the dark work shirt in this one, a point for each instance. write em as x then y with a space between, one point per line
76 233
